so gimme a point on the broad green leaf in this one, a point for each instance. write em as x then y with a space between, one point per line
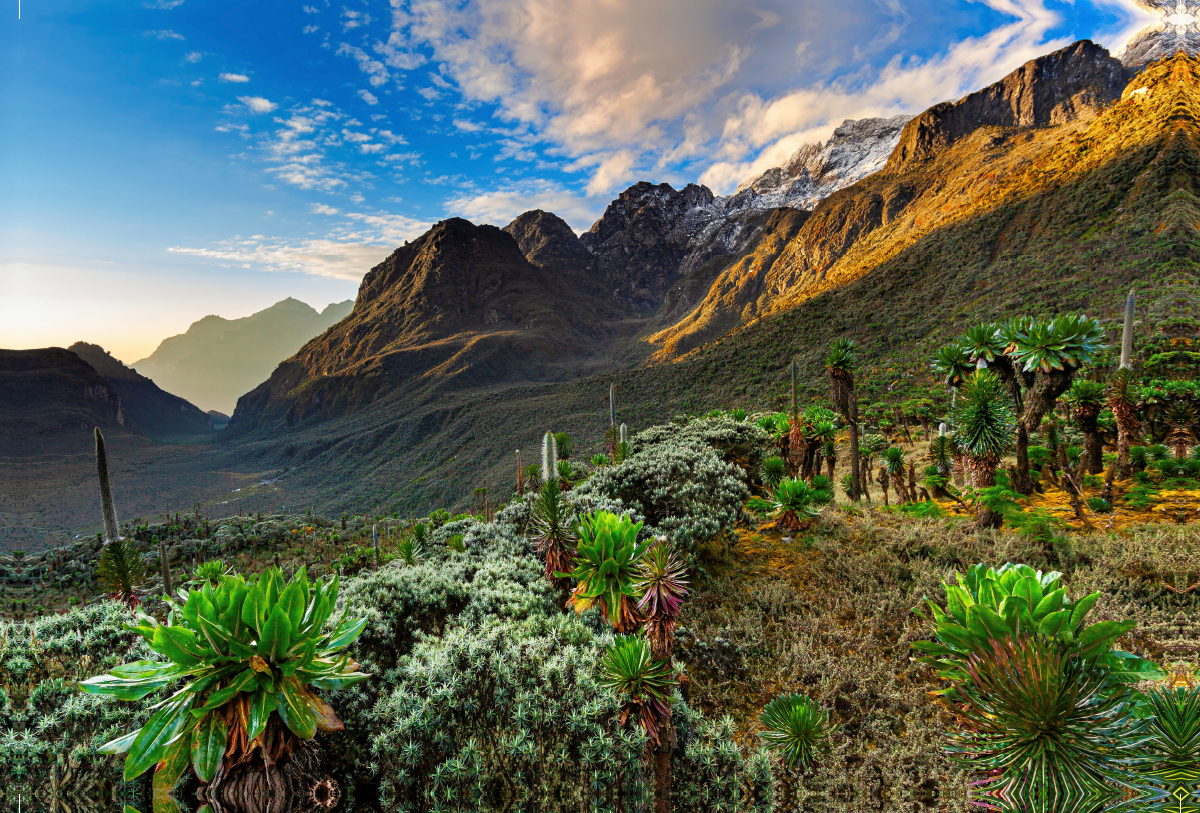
984 621
345 634
223 641
125 688
118 746
327 719
1029 589
1053 623
1125 667
1051 602
276 636
166 775
958 637
989 593
1080 610
180 645
244 682
294 709
339 681
254 608
262 703
1009 610
149 745
957 602
209 741
291 601
1098 637
144 669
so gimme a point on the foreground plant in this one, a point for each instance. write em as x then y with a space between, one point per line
121 571
551 523
643 683
661 582
795 726
792 502
1049 720
253 656
607 564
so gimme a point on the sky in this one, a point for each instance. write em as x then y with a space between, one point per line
167 159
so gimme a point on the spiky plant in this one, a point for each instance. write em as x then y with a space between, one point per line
984 343
249 659
829 450
551 529
984 425
738 414
606 566
773 470
1065 342
1175 734
210 571
642 682
107 509
533 477
455 543
409 550
1138 458
599 461
1086 398
420 533
1049 721
953 363
796 727
121 571
660 580
563 445
792 502
549 458
941 453
841 362
566 473
893 460
822 488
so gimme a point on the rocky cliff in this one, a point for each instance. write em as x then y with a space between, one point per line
460 306
1076 81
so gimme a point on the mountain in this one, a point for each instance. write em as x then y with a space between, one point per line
52 397
815 171
158 415
855 228
462 306
217 360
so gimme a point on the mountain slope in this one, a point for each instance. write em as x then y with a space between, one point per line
217 359
459 307
156 414
928 180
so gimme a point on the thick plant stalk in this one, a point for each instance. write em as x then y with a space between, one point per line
107 508
375 543
795 370
520 476
549 458
165 565
624 433
612 404
1123 412
1127 333
856 484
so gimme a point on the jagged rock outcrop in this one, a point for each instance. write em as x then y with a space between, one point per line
157 414
460 303
550 244
1054 89
1162 39
815 171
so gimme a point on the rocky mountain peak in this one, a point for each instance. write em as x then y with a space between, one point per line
1053 89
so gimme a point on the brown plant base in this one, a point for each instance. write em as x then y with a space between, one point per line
277 773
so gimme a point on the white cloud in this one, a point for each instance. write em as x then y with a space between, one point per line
467 126
165 4
357 138
194 56
613 171
390 137
371 149
234 77
311 10
499 207
311 29
164 35
350 249
322 209
354 19
369 97
257 104
377 74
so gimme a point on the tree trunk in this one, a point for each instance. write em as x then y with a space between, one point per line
855 476
1023 483
662 770
984 472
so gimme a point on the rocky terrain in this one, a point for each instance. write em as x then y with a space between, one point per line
217 360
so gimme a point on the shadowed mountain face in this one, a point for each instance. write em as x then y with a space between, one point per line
158 415
460 307
217 360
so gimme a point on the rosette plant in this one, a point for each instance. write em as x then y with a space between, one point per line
796 727
643 682
984 424
550 526
1087 398
792 502
987 605
606 567
663 587
953 363
773 470
248 659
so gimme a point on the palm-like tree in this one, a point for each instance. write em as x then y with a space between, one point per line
1086 398
1123 402
841 363
893 463
984 425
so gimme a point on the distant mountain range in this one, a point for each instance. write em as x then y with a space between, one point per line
217 360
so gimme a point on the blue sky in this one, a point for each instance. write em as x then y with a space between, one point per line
167 159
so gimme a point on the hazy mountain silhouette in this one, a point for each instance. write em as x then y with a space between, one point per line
217 360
